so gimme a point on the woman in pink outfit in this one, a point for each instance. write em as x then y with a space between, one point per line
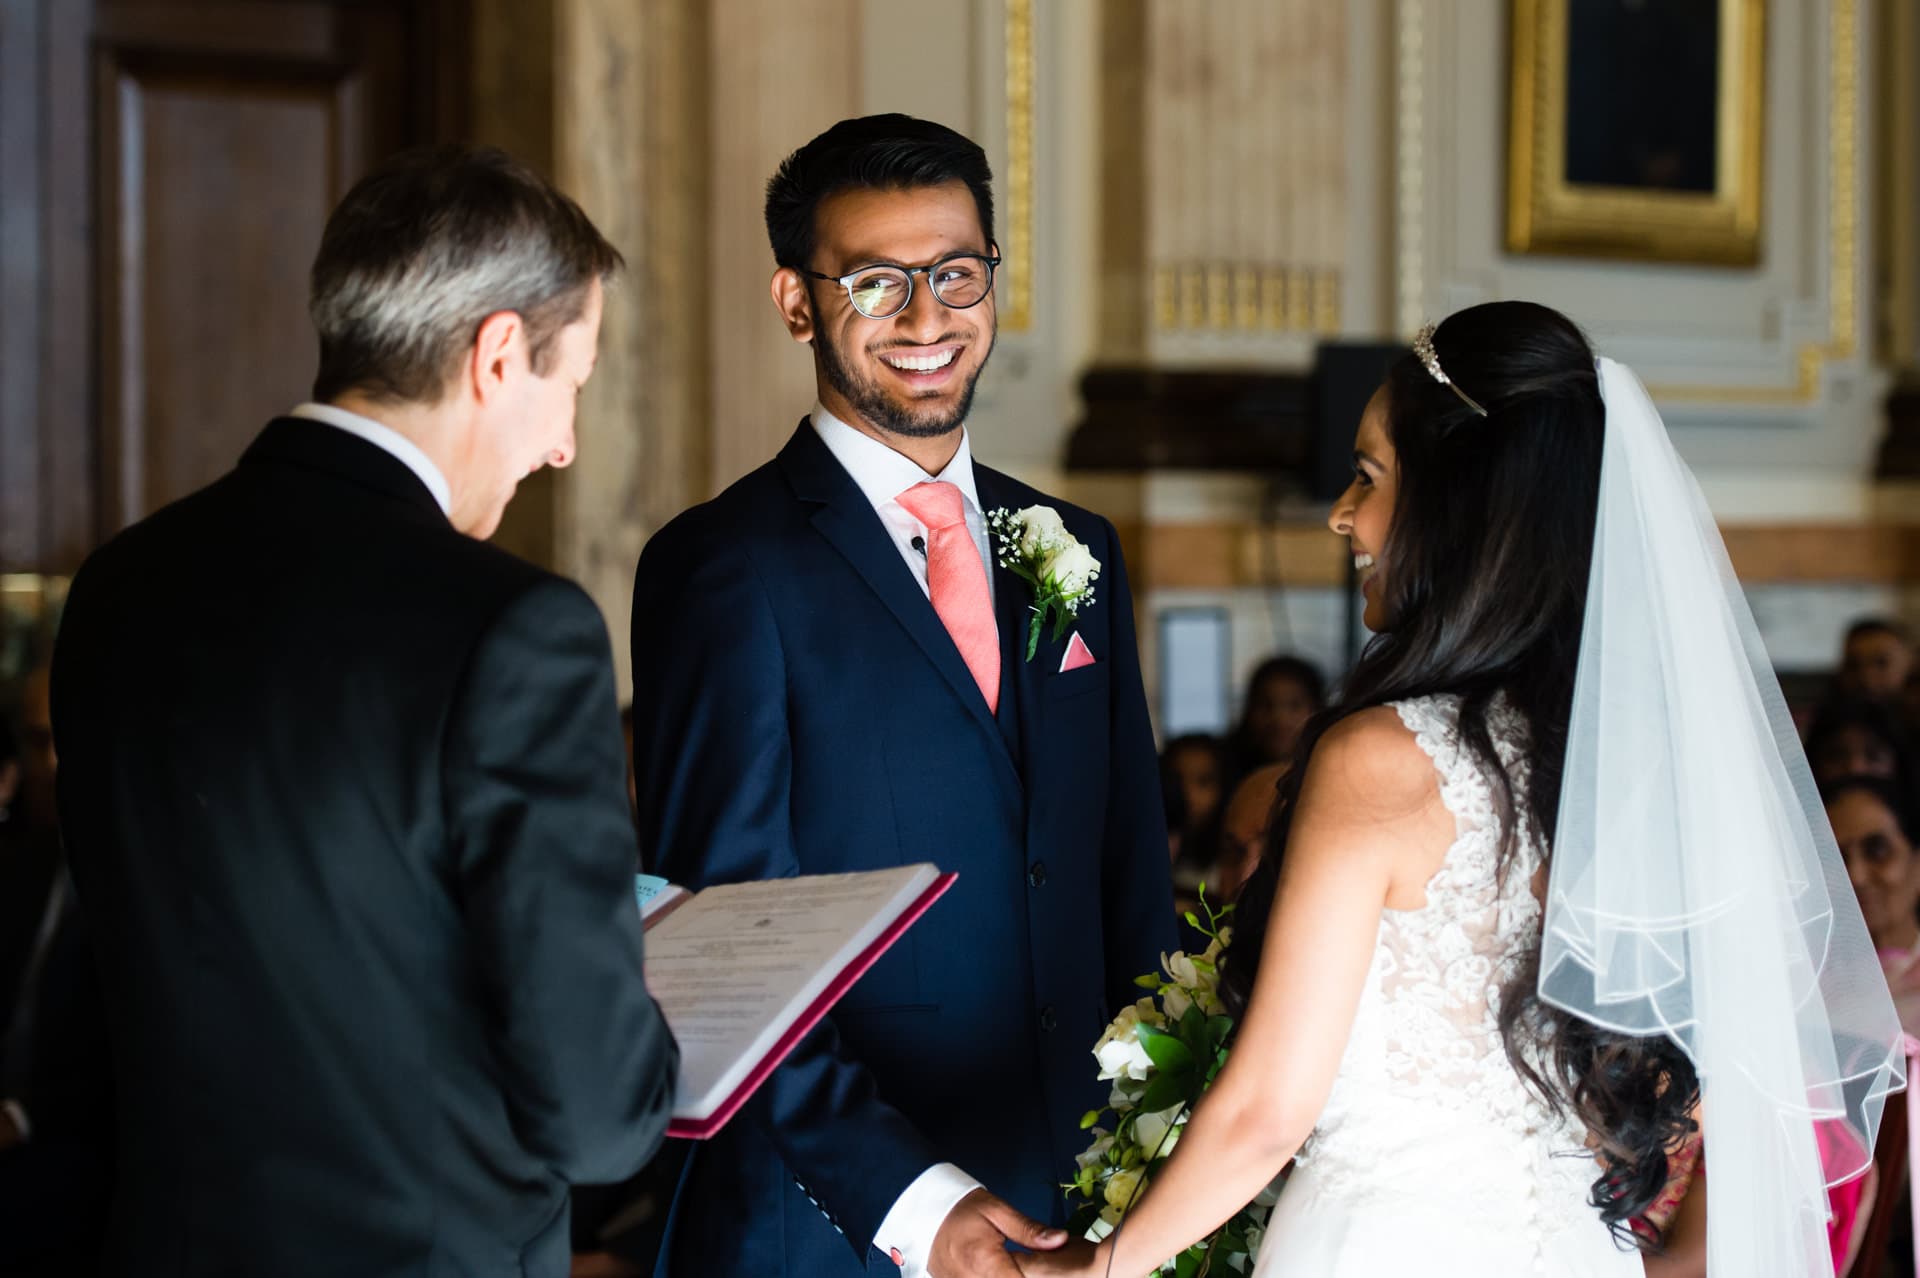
1875 825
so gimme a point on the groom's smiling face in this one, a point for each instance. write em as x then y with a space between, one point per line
913 373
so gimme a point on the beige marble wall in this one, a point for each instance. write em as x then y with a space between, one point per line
777 73
629 130
611 99
1245 159
510 101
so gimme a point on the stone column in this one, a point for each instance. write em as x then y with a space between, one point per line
611 98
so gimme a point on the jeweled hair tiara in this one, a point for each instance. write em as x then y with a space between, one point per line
1423 347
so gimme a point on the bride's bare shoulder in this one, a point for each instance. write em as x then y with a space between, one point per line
1370 765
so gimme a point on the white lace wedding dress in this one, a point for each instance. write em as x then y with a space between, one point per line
1432 1159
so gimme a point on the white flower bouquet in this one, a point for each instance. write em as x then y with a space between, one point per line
1161 1054
1036 547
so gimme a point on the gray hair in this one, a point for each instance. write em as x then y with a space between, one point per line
426 247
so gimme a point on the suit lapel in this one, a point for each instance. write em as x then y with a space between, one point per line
851 527
1012 606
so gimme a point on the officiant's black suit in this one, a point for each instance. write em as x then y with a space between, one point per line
343 791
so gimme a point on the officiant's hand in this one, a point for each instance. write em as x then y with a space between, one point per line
973 1238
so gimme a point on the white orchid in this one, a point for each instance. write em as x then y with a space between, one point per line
1122 1188
1163 1052
1177 1000
1103 1141
1119 1051
1165 1125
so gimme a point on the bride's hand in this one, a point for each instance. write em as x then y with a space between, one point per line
1076 1258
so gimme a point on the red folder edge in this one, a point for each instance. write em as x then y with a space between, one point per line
705 1128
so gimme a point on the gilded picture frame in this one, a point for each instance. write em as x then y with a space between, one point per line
1581 183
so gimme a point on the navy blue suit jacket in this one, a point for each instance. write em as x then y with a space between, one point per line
800 709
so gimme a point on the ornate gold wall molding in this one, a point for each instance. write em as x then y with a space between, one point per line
1246 189
1898 90
1843 230
1548 215
1017 275
1246 298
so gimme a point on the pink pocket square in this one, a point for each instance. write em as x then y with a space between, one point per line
1078 654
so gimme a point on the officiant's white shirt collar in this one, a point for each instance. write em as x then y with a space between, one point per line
883 474
390 441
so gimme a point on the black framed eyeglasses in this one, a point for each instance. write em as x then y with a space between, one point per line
882 290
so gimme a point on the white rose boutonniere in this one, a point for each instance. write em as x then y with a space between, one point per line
1037 548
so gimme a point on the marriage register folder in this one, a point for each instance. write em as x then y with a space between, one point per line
743 970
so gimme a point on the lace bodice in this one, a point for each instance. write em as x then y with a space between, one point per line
1426 1103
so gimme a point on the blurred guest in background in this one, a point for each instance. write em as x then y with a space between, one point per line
1194 778
56 1104
1878 831
1243 830
1876 659
33 806
30 882
1860 738
1282 695
9 771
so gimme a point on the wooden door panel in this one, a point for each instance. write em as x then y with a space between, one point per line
219 160
168 167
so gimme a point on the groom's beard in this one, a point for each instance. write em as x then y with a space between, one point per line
872 402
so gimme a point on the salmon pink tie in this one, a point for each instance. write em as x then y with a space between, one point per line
957 581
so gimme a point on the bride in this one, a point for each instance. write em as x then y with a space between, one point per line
1550 885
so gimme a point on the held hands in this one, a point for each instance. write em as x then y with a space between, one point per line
972 1240
1075 1260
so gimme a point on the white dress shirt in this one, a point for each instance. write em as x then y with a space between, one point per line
387 439
883 475
907 1232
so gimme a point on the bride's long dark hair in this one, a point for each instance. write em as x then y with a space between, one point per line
1485 584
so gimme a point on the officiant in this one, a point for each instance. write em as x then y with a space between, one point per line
341 785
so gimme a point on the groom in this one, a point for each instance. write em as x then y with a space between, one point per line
831 675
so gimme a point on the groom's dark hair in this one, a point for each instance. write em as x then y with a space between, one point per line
874 152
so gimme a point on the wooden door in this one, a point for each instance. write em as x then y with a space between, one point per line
191 150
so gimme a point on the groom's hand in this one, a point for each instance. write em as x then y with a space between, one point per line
972 1240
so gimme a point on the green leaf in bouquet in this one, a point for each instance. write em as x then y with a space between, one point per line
1218 1027
1166 1051
1187 1265
1193 1030
1168 1090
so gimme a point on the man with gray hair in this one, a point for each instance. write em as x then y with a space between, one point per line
342 786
